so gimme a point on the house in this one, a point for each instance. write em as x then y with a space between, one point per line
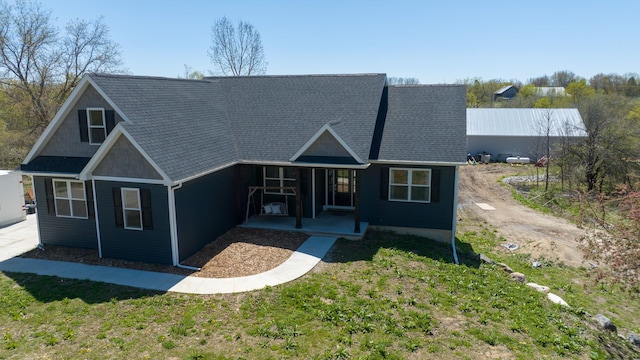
152 169
550 91
11 198
519 132
506 92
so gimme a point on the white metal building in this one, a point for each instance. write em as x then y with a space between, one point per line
519 132
11 198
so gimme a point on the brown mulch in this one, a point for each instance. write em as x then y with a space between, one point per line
239 252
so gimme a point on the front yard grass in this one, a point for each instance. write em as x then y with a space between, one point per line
386 297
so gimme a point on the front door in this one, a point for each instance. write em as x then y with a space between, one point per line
340 188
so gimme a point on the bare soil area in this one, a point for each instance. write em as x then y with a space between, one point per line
539 234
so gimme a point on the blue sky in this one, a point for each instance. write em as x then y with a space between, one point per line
434 41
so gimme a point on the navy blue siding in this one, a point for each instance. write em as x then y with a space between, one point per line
146 245
244 177
61 231
205 209
378 210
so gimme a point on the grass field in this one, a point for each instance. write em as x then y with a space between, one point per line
386 297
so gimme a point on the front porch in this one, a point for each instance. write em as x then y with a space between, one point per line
326 223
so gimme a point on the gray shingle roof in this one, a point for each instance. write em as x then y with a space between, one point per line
189 127
425 123
181 124
523 122
272 117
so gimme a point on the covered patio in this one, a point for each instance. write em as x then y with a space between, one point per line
326 223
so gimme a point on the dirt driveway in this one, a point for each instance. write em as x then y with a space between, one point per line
534 232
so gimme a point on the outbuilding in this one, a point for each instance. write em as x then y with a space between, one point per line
11 198
503 133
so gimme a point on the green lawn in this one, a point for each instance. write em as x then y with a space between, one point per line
386 297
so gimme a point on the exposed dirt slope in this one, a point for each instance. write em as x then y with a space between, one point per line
536 233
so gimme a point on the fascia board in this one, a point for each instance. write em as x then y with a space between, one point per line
323 129
103 150
66 107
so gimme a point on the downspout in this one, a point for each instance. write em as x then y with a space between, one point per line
454 216
173 224
40 244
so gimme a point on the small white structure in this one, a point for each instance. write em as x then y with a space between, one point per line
11 198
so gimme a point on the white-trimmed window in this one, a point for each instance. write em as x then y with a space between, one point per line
131 208
278 177
70 199
412 185
96 125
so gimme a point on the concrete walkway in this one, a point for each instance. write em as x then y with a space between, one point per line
19 238
301 261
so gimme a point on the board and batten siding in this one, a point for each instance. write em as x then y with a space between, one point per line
61 231
147 245
205 209
379 211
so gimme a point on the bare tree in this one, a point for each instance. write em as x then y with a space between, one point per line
39 66
402 81
563 78
237 50
544 127
190 73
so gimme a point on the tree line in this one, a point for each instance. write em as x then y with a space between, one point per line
41 64
610 108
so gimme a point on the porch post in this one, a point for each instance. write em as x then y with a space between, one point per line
298 199
356 201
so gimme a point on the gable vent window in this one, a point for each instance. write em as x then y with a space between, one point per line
95 124
412 185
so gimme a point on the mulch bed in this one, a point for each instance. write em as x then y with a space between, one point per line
239 252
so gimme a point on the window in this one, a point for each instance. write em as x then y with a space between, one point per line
97 125
279 177
70 199
410 185
131 209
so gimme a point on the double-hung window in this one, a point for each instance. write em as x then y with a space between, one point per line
132 208
413 185
97 125
70 199
278 177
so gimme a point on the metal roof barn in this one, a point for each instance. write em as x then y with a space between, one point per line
518 132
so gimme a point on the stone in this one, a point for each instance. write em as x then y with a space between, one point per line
539 288
519 277
485 259
556 299
505 267
634 339
605 323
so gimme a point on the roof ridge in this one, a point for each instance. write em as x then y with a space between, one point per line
293 76
145 77
424 85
